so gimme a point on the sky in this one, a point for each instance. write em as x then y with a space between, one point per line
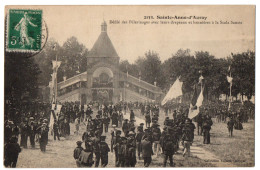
133 40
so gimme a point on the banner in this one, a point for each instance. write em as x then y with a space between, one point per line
52 117
53 107
85 107
174 92
194 110
229 79
55 64
58 108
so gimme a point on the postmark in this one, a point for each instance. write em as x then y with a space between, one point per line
25 29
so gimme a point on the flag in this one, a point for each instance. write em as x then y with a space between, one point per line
85 107
58 108
194 96
53 106
200 99
121 97
174 92
55 64
229 79
52 118
194 109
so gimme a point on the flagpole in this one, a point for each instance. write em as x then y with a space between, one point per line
56 81
230 90
201 79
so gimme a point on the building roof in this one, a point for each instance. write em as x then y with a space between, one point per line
103 47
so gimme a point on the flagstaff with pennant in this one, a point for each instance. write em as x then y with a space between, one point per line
196 101
55 65
54 85
229 79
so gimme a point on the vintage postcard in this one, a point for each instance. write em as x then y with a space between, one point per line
129 86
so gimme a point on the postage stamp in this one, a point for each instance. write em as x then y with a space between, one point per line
24 30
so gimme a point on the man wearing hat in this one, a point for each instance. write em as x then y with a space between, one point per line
114 118
131 146
147 119
7 132
32 131
77 152
156 135
47 127
44 137
199 120
155 118
104 149
15 129
141 127
123 153
187 137
132 125
230 126
113 135
206 127
139 137
11 152
125 127
147 151
168 150
166 121
132 115
116 147
106 121
56 130
96 147
24 133
148 134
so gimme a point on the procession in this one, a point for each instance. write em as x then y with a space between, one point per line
91 93
130 140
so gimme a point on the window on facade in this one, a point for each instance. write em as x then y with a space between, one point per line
103 78
83 84
121 84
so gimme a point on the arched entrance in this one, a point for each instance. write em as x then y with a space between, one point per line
102 86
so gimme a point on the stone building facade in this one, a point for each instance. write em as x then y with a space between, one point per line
103 81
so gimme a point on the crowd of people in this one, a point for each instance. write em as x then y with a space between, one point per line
129 141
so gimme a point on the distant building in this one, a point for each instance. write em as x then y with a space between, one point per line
103 81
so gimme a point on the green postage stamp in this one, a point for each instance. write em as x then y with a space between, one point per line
24 30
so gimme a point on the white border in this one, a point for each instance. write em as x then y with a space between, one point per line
126 2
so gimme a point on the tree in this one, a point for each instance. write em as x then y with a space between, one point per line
243 73
21 77
44 60
72 55
125 66
150 68
181 64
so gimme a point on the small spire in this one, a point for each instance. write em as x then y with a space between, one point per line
104 27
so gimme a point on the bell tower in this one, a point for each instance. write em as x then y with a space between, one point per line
102 69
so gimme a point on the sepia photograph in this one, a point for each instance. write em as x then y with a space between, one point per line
114 86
